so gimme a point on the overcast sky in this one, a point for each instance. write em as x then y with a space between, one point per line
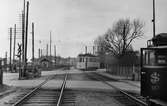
76 23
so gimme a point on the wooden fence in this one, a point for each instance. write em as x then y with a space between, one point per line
125 71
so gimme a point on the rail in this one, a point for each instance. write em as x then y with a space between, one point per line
20 101
138 101
62 90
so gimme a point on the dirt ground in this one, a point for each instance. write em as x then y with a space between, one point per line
4 88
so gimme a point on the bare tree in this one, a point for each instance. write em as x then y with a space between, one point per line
100 44
117 40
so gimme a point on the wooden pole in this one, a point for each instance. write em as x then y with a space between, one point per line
154 18
85 49
6 59
93 50
23 42
39 53
14 44
46 49
10 65
86 58
26 37
50 44
32 42
55 53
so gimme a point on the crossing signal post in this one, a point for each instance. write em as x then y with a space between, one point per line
19 52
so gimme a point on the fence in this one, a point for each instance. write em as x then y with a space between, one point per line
125 71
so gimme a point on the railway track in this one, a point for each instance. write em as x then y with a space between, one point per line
120 95
45 97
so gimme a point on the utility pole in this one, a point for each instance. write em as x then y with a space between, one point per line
86 61
10 65
14 46
23 43
153 20
23 33
85 49
46 49
50 44
32 42
55 50
26 37
39 53
55 53
6 59
93 50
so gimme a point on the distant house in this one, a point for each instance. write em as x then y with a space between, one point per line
52 61
45 62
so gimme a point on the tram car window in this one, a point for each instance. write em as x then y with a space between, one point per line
155 57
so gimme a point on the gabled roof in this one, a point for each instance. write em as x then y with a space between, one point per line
44 59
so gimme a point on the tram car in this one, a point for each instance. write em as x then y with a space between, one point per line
87 62
154 68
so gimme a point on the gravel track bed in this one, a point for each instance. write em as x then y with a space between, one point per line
94 98
12 97
80 77
82 97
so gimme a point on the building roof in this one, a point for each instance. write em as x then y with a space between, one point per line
86 55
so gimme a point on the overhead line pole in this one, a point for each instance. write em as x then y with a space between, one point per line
85 49
46 49
55 53
6 58
23 31
153 18
93 50
10 65
14 44
55 50
26 37
50 44
39 53
23 43
86 64
32 42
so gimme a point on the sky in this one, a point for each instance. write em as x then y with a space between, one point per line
74 24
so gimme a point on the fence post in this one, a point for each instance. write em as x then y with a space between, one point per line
133 73
138 69
120 70
1 73
113 69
